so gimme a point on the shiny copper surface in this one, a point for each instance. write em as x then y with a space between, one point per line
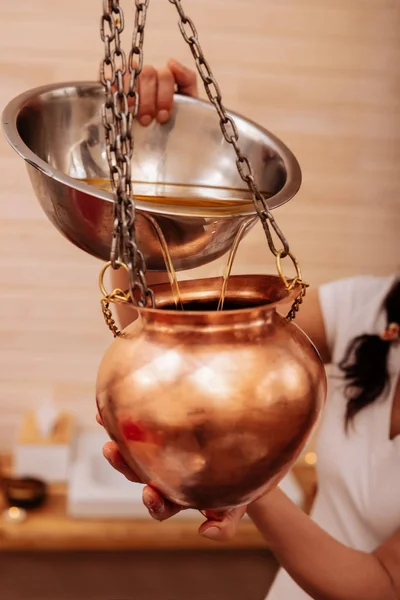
212 408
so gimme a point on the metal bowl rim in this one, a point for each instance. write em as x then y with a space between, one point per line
10 130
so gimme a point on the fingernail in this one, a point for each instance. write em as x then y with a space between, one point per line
213 533
145 120
163 116
107 454
155 507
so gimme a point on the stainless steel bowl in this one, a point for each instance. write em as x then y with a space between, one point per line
57 130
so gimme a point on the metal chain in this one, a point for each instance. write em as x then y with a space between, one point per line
120 109
118 112
244 167
297 302
107 314
229 130
116 296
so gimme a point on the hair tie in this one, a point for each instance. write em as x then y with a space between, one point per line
391 333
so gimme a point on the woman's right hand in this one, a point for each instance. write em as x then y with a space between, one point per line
157 88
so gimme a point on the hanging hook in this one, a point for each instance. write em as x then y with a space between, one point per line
117 294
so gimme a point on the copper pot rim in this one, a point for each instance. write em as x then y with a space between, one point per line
268 290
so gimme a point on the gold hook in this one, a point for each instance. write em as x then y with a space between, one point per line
116 294
297 279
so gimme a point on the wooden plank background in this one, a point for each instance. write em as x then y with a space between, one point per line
321 74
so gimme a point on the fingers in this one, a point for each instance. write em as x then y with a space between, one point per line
224 530
157 87
159 508
148 85
116 460
165 95
185 79
156 90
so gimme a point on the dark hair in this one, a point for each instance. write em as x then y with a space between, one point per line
365 364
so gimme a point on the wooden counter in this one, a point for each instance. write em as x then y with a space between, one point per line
50 528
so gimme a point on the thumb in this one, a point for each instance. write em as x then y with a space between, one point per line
224 529
185 78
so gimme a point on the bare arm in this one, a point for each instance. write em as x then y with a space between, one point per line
322 566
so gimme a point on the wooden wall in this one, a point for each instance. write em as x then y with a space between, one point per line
324 75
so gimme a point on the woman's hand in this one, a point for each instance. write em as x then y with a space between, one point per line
218 526
157 88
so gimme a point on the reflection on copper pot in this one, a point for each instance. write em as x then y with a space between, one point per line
212 408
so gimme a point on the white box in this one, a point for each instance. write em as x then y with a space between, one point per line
46 458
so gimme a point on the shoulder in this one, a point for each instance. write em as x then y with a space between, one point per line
359 291
350 303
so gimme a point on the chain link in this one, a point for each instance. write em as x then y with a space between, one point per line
117 296
118 112
229 130
297 302
107 314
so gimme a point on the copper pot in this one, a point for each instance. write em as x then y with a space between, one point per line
212 408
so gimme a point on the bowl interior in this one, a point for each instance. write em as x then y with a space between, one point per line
186 157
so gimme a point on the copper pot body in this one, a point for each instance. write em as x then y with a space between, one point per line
212 408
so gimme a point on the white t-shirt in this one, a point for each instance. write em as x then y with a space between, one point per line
358 499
